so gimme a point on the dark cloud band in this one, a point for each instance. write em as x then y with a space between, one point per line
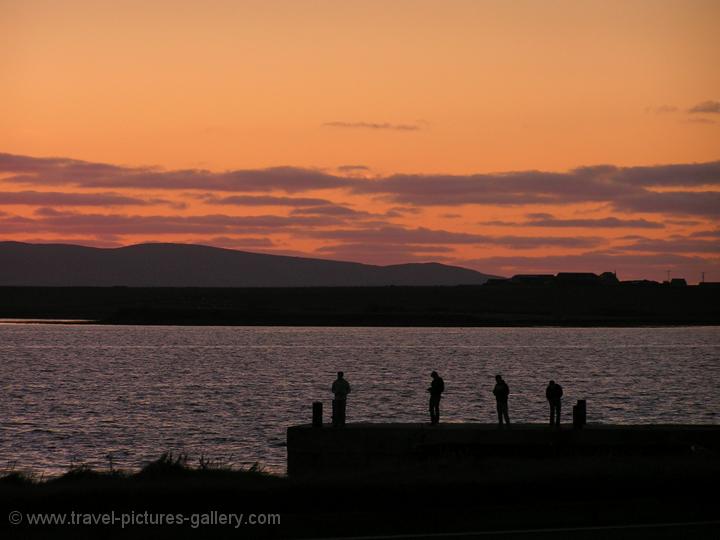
695 187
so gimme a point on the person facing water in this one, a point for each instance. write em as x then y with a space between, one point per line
437 387
341 388
554 393
502 391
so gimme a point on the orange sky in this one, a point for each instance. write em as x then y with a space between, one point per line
441 90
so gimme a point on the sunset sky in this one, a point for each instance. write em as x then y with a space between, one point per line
508 137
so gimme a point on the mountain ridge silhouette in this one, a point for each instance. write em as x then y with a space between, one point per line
195 265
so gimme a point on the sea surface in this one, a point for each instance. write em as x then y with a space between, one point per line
96 395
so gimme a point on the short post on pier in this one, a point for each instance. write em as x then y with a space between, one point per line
580 414
317 414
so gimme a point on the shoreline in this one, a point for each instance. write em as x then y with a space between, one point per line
455 307
410 324
449 433
497 495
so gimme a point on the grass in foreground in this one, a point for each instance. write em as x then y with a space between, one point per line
439 496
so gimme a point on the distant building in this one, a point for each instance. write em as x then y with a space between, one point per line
533 279
678 282
578 278
640 283
609 278
497 281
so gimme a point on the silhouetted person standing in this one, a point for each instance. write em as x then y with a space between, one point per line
341 388
502 392
437 387
554 393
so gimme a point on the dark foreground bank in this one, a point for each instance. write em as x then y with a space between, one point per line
566 497
499 304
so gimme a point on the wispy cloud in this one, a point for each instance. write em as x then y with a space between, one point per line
713 233
353 168
65 171
385 248
263 200
330 210
422 235
239 242
385 253
54 198
53 221
624 188
705 107
689 203
548 220
700 121
683 222
674 245
373 125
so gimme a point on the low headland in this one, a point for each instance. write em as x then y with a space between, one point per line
531 302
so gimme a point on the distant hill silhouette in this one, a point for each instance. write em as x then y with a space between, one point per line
185 265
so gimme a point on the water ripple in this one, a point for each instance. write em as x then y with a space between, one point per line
123 395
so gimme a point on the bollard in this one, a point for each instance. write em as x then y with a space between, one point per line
317 414
580 414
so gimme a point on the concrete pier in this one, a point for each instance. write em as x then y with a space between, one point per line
358 447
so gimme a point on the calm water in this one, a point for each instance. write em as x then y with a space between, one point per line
76 394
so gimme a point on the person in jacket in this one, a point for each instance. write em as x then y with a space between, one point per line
437 387
554 393
341 389
502 392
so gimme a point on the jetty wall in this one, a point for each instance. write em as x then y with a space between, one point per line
365 447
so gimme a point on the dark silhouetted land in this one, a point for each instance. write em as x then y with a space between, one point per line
493 304
185 265
188 284
601 495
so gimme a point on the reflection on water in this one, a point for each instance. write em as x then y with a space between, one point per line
76 393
